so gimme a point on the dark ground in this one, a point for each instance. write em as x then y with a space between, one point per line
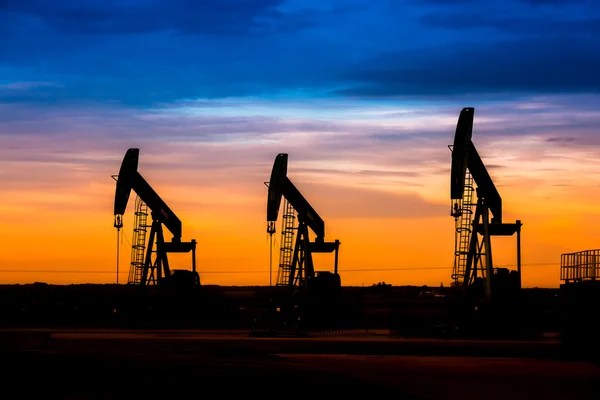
110 375
54 363
113 365
127 306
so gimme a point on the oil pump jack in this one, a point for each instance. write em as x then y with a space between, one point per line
481 284
309 295
302 272
154 271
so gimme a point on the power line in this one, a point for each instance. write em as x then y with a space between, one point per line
266 272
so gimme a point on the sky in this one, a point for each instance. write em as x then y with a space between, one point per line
364 96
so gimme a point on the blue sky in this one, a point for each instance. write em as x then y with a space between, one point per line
362 94
330 80
146 52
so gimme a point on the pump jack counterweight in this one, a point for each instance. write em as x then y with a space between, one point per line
156 270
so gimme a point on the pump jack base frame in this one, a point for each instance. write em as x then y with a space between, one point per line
155 272
480 250
302 267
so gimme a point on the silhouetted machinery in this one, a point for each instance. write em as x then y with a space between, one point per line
483 287
312 290
579 303
155 269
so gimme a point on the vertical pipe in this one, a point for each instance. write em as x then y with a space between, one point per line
489 265
118 232
194 255
337 247
519 250
271 260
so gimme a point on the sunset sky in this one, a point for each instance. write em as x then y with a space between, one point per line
363 95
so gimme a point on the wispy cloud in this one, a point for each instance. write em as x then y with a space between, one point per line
210 97
406 151
21 86
272 48
210 166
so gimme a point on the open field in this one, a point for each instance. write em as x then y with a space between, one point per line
340 342
125 306
114 364
464 378
87 341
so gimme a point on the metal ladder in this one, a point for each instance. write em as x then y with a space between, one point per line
463 231
288 229
138 242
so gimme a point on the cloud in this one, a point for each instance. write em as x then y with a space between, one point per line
529 25
148 53
28 91
145 53
54 148
26 85
561 139
446 2
460 3
515 66
356 162
209 17
554 2
339 202
365 172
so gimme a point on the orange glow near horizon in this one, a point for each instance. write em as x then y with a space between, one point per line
233 244
388 206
